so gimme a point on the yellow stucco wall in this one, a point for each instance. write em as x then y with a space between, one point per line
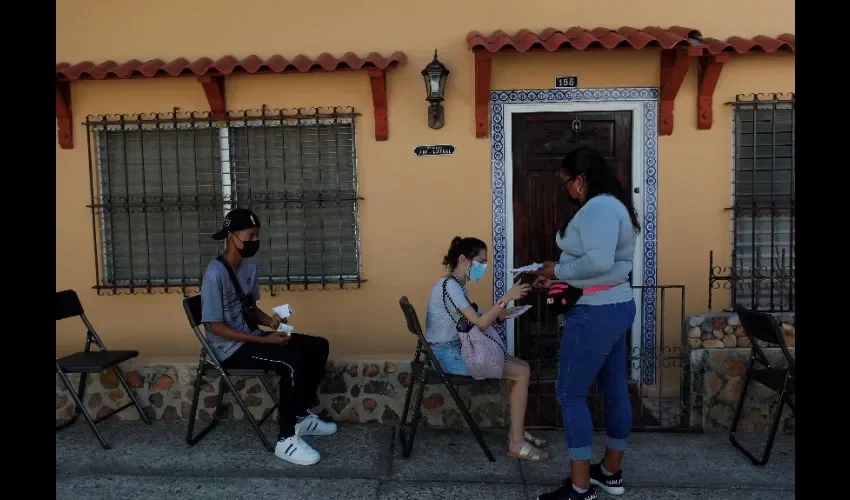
412 206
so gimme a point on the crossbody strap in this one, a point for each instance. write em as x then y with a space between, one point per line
447 296
236 285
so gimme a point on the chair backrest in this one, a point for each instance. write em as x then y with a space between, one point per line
192 307
67 305
410 316
765 327
415 328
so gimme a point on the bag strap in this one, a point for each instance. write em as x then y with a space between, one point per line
236 285
447 296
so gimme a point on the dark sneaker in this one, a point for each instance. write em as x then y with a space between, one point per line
613 484
567 492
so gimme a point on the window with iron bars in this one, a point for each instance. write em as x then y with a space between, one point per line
162 183
763 222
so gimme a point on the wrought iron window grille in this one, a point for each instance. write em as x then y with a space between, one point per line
762 271
161 183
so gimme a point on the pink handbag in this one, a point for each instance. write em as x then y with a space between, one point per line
483 353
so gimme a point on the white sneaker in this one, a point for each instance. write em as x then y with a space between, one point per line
295 450
311 425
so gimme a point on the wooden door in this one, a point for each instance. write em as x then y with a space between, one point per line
540 142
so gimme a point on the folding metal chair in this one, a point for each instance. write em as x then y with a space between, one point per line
428 371
67 306
764 327
210 366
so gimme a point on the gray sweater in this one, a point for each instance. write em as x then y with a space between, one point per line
597 249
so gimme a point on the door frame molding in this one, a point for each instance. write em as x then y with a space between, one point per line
643 103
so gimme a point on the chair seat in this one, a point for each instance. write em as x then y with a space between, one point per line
212 372
432 376
94 361
774 378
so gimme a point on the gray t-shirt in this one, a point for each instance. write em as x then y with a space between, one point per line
220 304
440 324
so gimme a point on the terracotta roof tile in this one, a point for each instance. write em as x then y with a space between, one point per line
224 66
784 43
578 38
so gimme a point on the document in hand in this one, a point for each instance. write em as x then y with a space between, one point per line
529 268
519 312
283 311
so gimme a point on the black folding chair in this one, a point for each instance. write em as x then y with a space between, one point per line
67 306
210 366
428 371
764 327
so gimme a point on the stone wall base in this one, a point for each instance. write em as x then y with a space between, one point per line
372 391
717 376
352 391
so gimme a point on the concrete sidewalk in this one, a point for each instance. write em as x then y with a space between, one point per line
363 462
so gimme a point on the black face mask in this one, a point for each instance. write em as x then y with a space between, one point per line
249 248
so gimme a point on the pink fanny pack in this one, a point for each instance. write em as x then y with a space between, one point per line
562 297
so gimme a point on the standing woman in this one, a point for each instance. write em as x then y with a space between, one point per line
597 246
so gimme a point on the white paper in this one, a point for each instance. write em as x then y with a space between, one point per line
283 311
519 312
531 267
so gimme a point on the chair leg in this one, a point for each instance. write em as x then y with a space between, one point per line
773 430
190 439
130 393
739 407
402 431
81 408
248 416
274 397
407 440
469 420
81 391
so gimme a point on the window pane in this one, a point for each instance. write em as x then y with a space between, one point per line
764 193
300 180
162 194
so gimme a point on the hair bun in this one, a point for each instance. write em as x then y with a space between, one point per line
455 241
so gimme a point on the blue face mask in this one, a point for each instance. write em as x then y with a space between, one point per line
477 271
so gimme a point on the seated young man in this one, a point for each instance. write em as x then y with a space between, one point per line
232 322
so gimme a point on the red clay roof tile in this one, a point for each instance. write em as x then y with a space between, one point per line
578 38
224 66
786 42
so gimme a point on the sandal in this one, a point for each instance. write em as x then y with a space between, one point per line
529 452
540 443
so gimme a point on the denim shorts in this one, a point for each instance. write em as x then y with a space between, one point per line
448 354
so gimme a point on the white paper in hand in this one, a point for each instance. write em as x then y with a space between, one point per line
283 311
525 269
286 329
519 312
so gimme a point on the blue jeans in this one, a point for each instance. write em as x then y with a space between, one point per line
593 347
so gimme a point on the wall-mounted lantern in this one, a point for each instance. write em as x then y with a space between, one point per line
435 87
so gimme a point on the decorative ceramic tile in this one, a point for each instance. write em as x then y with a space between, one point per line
649 96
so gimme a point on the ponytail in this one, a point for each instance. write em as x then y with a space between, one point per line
468 247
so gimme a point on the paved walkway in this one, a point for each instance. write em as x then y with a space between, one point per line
363 462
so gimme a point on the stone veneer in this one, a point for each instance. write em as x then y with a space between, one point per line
351 391
718 356
724 330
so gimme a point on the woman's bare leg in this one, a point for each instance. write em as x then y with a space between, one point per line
519 373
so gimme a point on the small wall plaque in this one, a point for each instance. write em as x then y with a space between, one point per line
434 150
566 82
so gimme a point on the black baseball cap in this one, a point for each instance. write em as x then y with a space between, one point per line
237 219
